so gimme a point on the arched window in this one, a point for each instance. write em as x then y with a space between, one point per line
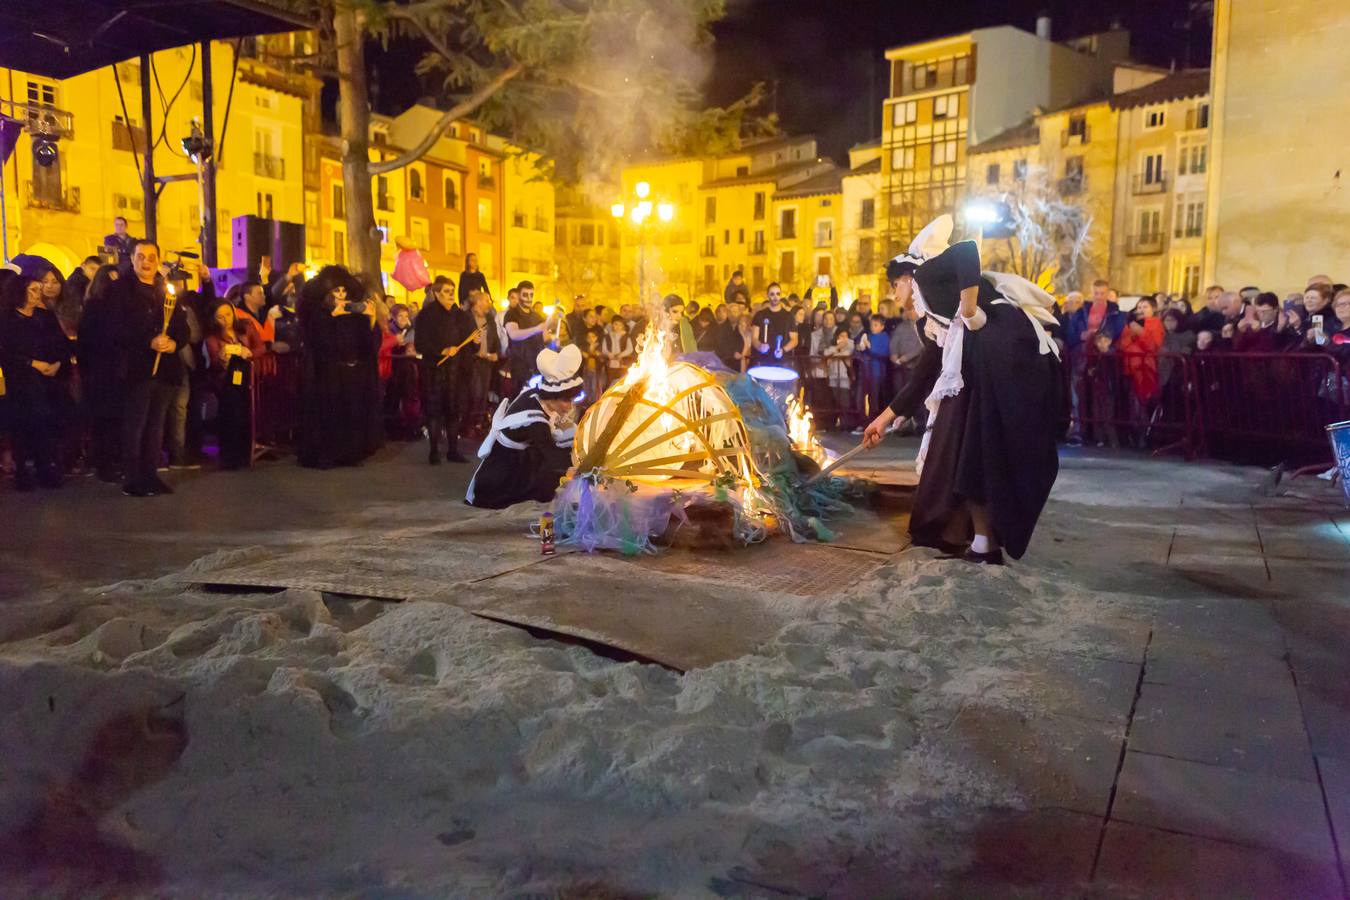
415 184
451 194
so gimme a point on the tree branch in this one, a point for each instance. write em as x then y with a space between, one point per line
458 111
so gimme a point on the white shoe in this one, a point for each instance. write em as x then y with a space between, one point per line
857 431
1329 474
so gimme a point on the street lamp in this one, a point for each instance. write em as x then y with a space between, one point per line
640 214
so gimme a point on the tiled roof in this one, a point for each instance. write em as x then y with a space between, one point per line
871 167
828 182
1024 135
761 177
1179 86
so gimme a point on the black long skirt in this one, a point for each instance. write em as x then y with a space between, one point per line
993 443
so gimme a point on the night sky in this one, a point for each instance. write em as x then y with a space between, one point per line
825 56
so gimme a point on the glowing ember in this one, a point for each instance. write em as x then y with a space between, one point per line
682 431
802 431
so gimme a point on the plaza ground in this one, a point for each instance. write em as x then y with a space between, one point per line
285 682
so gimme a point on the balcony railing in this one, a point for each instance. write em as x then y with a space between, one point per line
384 203
757 250
40 119
269 166
824 242
1144 244
1190 231
1074 139
1145 185
787 234
866 221
708 250
486 182
53 198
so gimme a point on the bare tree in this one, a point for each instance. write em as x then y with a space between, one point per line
584 83
1047 228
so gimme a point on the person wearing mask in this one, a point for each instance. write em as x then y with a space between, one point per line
529 448
33 353
152 328
340 422
774 329
444 331
103 375
471 280
525 329
229 356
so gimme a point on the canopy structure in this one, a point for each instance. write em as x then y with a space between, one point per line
63 38
60 39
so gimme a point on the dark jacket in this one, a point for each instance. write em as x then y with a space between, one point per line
468 282
1076 325
32 338
140 311
439 328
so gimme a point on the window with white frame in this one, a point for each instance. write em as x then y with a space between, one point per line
902 158
1150 225
418 231
905 113
1155 117
944 153
452 240
824 232
946 106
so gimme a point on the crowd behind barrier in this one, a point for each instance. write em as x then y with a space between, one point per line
1245 377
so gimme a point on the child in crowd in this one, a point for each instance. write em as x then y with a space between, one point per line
618 351
876 353
592 367
1103 373
839 360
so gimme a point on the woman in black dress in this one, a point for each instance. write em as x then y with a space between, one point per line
989 376
339 378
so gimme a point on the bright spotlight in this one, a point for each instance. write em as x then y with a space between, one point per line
666 211
617 210
981 212
643 189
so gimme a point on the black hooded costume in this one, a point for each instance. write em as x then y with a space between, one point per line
339 378
526 454
991 433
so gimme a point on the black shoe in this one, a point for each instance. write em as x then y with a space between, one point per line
157 486
992 558
133 489
949 551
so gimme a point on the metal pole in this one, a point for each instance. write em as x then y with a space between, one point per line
4 218
210 232
148 169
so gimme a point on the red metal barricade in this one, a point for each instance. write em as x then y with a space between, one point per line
1146 401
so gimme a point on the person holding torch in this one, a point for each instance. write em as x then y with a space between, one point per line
153 326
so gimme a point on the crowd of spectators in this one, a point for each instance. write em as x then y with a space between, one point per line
126 370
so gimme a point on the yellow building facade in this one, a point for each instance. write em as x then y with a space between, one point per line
65 209
1277 198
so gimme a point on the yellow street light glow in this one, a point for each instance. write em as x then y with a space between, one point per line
666 211
617 210
637 215
643 189
548 309
646 207
505 303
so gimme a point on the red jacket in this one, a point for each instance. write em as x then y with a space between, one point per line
1140 356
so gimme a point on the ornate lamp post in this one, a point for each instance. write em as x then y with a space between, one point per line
641 213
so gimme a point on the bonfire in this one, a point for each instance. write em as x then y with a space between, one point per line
684 450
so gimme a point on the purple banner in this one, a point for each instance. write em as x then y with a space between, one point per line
9 137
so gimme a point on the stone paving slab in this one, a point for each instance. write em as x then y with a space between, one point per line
1047 852
1224 804
1336 786
1231 620
1223 728
1100 690
1057 762
1150 863
1184 660
1326 710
